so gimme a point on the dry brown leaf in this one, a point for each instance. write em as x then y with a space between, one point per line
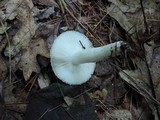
28 62
129 15
27 30
99 94
140 79
140 76
46 2
11 7
121 115
45 13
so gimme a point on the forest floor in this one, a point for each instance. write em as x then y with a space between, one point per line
124 87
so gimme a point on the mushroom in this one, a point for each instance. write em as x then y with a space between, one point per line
73 57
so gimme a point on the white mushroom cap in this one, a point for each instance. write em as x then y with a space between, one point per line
73 57
64 47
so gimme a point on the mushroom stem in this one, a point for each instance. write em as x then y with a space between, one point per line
97 54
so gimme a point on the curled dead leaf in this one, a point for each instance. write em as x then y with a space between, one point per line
27 30
28 62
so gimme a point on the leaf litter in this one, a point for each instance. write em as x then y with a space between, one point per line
28 29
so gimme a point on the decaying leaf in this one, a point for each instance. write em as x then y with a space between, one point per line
129 14
99 94
140 78
46 30
130 17
11 7
121 115
45 13
28 62
27 30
